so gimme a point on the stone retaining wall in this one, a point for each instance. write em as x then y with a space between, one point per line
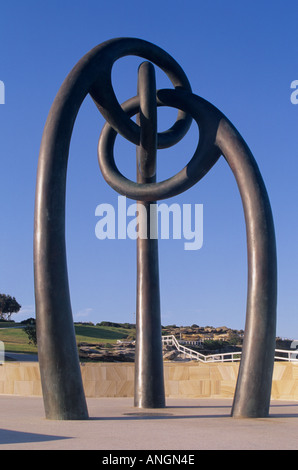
188 380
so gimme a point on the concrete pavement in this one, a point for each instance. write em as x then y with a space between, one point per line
114 424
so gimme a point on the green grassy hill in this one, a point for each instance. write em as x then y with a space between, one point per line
16 340
101 334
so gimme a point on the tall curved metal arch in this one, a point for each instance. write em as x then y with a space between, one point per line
61 380
253 389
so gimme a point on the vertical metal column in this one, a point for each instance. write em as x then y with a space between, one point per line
149 379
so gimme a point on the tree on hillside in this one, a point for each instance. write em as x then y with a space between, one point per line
8 306
30 331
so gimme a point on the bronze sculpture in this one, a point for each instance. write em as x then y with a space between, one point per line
59 365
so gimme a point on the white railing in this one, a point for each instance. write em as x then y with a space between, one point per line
290 355
190 353
280 354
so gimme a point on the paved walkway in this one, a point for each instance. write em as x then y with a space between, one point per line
21 357
114 424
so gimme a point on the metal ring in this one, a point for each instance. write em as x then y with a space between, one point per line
104 97
205 156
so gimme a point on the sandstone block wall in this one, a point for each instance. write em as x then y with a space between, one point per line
188 380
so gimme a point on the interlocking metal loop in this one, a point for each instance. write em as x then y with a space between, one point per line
205 156
104 97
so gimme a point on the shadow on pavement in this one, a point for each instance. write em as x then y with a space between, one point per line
16 437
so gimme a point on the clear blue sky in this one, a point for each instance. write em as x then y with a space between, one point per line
242 57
